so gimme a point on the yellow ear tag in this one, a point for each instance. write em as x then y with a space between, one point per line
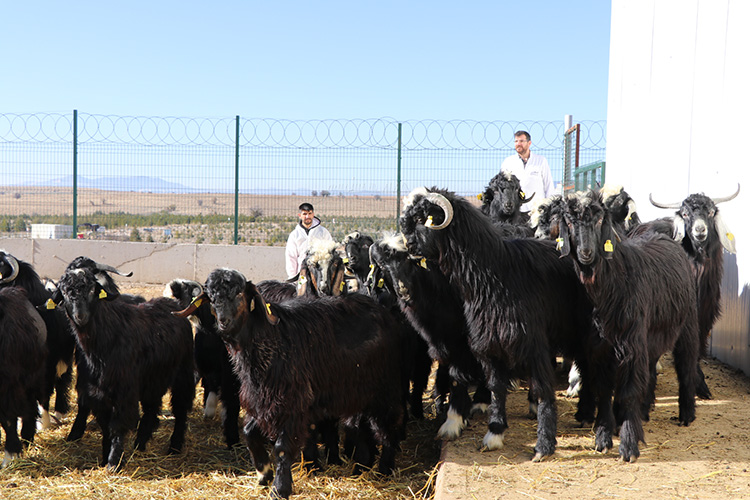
423 263
429 221
480 196
268 309
50 304
197 301
102 294
381 283
341 287
252 305
346 260
608 247
522 195
302 280
560 243
730 236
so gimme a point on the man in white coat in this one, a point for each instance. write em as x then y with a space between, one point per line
298 242
531 169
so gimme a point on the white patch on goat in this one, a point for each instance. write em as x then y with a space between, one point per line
320 250
62 367
209 410
9 457
409 199
574 381
493 441
452 427
608 191
266 470
479 408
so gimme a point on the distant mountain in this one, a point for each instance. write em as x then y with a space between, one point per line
139 183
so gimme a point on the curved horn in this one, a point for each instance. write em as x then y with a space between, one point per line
441 201
194 305
14 268
110 269
727 198
526 200
663 205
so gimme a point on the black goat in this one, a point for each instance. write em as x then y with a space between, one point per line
645 297
135 353
101 271
502 200
58 373
700 229
22 359
436 312
220 383
357 260
302 361
522 303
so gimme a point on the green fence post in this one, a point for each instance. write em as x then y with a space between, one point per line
75 174
398 177
236 178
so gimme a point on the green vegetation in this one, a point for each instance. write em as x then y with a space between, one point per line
167 227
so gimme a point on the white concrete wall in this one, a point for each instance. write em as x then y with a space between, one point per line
155 263
678 121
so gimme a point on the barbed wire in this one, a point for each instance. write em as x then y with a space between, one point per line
375 133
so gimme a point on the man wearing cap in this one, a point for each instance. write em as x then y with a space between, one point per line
299 240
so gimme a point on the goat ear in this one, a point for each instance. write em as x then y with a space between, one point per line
107 293
563 238
725 235
338 281
610 238
302 281
678 228
257 301
194 305
55 299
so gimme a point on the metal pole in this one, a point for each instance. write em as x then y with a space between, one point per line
75 173
236 178
398 177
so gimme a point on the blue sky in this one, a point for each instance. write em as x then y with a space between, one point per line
476 60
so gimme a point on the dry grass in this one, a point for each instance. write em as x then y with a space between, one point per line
53 468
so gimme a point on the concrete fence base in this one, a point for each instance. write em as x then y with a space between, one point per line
152 263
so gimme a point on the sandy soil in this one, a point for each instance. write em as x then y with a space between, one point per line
710 459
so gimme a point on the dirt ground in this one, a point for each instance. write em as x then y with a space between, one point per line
710 459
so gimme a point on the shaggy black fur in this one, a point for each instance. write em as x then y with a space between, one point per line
135 354
502 200
645 301
302 361
22 359
521 301
58 371
436 312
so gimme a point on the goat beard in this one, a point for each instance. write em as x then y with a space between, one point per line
587 274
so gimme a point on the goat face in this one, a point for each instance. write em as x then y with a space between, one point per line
424 213
325 267
586 233
397 266
696 219
546 217
503 197
79 290
226 291
357 248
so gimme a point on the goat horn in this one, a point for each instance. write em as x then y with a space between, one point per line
663 205
727 198
110 269
14 268
526 200
441 201
195 304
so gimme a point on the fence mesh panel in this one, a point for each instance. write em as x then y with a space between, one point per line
164 178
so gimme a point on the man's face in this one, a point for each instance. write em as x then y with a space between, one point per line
522 145
306 216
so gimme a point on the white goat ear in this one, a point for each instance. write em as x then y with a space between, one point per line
678 226
725 235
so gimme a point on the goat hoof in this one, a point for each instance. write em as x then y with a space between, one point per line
539 457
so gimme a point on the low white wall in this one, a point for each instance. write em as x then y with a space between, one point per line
150 262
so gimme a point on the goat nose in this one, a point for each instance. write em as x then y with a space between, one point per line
585 253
